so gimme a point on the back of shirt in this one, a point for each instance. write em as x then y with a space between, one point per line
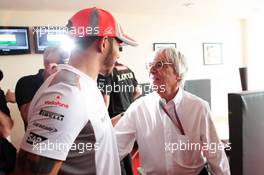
68 121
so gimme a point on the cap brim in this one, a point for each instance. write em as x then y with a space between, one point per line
124 38
128 41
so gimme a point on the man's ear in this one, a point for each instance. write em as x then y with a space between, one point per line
178 78
103 44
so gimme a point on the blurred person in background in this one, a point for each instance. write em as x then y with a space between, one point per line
27 86
119 90
7 150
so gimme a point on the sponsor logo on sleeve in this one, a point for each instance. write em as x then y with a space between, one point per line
51 115
57 102
35 138
48 128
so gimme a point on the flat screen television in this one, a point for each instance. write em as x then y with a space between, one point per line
199 87
45 36
14 40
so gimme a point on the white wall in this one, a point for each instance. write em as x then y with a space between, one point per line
255 52
188 31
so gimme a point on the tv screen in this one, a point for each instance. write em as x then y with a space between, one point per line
45 36
199 87
14 40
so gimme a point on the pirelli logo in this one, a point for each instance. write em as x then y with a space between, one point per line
52 115
48 128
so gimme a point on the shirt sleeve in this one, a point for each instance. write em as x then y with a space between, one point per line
125 131
214 152
24 92
135 82
55 120
3 104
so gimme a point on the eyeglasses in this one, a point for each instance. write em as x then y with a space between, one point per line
158 65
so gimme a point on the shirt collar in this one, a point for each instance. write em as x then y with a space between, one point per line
75 70
177 99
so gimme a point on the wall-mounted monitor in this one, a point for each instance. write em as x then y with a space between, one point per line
45 36
14 40
199 87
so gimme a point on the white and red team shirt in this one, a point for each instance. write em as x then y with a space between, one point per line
68 121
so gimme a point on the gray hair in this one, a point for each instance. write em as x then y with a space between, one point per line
178 60
61 54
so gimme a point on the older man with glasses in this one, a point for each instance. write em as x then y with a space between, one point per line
173 128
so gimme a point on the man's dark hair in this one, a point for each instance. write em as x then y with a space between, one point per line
1 75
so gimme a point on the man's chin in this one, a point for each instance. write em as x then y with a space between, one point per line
155 84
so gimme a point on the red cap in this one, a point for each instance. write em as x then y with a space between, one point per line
97 22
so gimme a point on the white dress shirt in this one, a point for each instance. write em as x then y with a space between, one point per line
162 147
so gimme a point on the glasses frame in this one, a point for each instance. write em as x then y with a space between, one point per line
156 66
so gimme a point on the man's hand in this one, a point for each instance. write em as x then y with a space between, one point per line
6 124
116 118
10 96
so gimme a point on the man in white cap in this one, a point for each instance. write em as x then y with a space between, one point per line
69 130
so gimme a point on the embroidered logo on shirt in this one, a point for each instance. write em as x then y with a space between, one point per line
52 115
125 76
48 128
35 138
57 102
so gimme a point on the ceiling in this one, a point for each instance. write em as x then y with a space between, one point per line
238 8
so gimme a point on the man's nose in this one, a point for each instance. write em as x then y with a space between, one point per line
152 70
